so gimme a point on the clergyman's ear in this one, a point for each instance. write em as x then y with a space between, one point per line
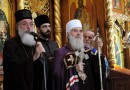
38 29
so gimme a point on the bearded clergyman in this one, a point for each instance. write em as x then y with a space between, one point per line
20 53
74 67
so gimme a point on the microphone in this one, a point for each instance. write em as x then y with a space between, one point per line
36 36
42 58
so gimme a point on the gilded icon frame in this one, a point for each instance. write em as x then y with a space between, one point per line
118 6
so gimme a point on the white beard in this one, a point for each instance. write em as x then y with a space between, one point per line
26 38
76 43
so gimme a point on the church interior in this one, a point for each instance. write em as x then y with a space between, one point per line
111 18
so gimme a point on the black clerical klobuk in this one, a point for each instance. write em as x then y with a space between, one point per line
39 20
23 14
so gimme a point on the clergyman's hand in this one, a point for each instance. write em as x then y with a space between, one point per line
80 67
39 50
98 43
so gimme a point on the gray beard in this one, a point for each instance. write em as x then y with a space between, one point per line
88 45
76 43
26 38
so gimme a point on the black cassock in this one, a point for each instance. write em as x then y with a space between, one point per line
17 65
39 81
91 69
20 72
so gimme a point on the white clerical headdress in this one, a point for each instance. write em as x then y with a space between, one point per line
73 24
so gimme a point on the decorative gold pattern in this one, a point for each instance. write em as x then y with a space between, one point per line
27 5
57 19
38 6
120 16
46 8
109 28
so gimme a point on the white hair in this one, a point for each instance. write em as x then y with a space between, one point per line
26 38
76 42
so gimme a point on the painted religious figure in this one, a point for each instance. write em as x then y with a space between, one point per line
4 31
4 28
82 14
117 36
117 53
117 4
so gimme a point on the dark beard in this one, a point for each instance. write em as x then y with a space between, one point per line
46 35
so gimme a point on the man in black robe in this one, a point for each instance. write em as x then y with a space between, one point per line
74 67
43 68
89 38
19 54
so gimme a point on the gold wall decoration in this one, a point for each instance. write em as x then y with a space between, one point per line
46 8
38 6
118 6
120 16
57 19
109 29
26 4
1 2
20 4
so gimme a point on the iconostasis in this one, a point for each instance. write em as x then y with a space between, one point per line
6 22
118 17
110 16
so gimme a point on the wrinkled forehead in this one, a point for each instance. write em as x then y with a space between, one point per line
26 21
76 28
89 33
